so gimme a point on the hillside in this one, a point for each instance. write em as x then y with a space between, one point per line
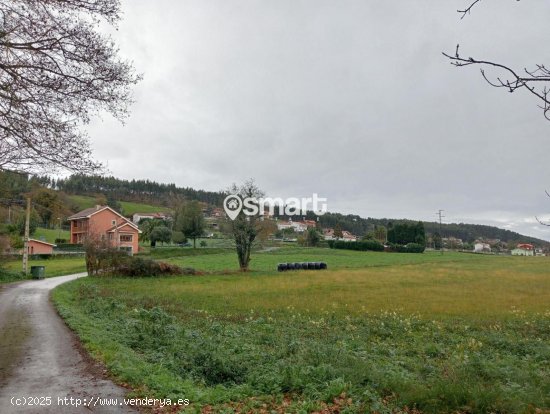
144 196
128 207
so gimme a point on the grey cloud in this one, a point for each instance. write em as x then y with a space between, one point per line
349 99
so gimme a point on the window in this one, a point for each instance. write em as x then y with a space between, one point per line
113 222
126 238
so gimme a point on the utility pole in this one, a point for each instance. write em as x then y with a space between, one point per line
26 240
440 230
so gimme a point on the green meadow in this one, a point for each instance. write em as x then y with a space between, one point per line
49 235
376 332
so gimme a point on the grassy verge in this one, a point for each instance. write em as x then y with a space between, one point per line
455 334
54 267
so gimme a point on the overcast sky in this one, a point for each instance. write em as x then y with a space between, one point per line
348 99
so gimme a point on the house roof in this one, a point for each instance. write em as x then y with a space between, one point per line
89 212
121 225
525 246
42 242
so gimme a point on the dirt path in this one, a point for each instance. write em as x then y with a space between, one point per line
40 357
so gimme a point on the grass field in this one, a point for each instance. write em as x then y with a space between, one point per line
54 267
129 208
377 332
49 235
82 202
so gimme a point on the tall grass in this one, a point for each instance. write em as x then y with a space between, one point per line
376 333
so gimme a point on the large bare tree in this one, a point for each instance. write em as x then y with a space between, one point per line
534 80
57 70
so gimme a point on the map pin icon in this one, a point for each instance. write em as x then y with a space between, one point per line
232 206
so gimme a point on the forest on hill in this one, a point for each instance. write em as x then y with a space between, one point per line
53 198
143 191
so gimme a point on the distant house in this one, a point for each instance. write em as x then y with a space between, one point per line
106 224
137 217
297 226
347 236
482 248
40 247
283 225
217 212
328 234
524 249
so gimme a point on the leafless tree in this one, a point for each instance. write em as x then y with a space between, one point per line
56 71
535 81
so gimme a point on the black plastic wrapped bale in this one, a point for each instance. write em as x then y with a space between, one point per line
281 267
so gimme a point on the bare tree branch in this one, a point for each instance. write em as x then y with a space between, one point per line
468 9
529 80
56 72
540 221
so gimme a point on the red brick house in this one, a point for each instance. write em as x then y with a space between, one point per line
105 223
40 247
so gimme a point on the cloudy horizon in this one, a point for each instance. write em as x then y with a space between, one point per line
351 100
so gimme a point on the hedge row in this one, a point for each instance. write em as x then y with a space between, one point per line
69 247
409 248
365 245
372 245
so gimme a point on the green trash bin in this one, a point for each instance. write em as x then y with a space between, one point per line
38 272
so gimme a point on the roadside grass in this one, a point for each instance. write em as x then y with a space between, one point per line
436 333
54 267
49 235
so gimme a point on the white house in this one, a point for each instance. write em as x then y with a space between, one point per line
137 217
524 249
482 248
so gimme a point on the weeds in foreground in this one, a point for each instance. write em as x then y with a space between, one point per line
384 362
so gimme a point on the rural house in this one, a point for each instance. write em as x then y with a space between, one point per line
40 247
106 224
524 249
137 217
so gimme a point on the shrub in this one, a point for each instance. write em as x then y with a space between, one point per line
70 247
140 267
409 248
366 245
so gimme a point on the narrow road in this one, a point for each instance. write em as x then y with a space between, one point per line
40 357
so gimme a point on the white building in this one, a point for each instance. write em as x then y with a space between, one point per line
524 249
482 248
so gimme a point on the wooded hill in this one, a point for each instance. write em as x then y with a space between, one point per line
143 191
13 186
